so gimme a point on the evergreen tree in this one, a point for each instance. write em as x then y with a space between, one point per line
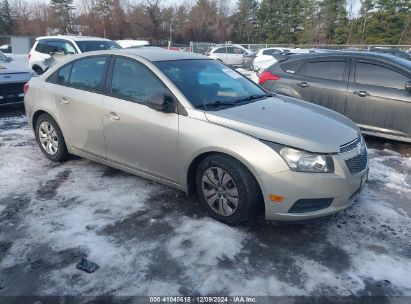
244 19
342 28
279 20
63 10
7 21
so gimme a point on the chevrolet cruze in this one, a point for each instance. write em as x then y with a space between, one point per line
193 123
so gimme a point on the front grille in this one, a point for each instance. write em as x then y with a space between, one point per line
10 92
358 163
350 146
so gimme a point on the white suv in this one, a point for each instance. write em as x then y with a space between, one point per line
229 54
45 47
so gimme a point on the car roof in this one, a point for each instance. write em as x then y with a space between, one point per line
149 53
74 38
159 54
355 54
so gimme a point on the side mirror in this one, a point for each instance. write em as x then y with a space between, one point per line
162 102
408 86
9 59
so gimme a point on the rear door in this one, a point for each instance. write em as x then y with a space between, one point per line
377 99
237 56
323 81
76 89
221 53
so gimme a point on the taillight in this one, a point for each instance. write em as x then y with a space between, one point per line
29 56
267 75
26 88
207 54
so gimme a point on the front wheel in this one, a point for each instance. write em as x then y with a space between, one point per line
50 138
227 189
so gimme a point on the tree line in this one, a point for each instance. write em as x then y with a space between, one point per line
312 22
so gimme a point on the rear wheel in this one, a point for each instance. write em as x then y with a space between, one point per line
50 138
227 189
38 70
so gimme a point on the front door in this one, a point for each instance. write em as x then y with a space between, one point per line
377 99
136 135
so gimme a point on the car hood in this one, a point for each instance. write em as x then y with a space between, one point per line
290 122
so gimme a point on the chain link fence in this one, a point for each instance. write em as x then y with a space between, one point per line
202 47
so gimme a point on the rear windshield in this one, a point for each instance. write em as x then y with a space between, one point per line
3 57
89 46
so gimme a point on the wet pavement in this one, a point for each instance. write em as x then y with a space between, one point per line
148 239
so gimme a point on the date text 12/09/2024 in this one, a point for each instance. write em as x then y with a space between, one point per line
206 299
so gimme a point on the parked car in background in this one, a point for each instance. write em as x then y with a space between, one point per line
128 43
195 124
230 54
13 76
6 48
248 60
374 90
45 47
392 51
178 47
265 58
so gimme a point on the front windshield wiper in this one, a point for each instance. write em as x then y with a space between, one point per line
218 103
252 97
215 104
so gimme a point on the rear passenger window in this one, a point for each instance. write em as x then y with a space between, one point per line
333 70
63 75
292 67
87 73
220 50
376 75
230 50
40 47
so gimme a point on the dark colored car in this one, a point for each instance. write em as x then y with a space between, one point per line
374 90
248 60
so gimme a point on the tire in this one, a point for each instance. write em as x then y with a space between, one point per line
48 137
236 178
38 70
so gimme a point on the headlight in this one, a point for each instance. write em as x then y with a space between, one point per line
303 161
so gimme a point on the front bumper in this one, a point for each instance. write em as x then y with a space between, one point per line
341 186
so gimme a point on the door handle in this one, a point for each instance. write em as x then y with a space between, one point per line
303 84
64 100
112 116
361 93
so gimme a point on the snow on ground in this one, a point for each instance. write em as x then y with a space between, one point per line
149 239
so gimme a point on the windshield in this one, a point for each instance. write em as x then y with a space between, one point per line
3 57
89 46
208 82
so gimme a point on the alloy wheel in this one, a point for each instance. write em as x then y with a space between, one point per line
48 138
220 191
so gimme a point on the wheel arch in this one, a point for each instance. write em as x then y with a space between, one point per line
34 66
40 112
192 169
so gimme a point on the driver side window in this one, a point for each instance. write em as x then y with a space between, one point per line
132 81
